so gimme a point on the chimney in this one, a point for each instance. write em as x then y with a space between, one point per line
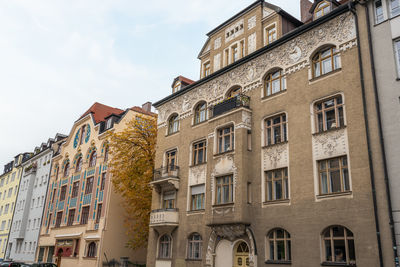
305 6
147 106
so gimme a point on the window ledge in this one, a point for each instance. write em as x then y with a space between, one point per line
273 202
314 79
275 94
194 212
223 153
276 144
164 259
333 195
330 130
223 205
197 165
193 260
89 258
171 134
277 262
338 264
194 125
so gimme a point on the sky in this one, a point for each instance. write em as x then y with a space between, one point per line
58 57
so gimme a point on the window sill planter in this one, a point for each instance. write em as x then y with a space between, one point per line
278 262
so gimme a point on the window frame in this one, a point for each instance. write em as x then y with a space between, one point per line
221 139
92 250
165 252
396 44
66 170
79 163
318 58
199 112
93 159
71 217
284 181
173 124
328 170
89 186
319 7
196 150
195 198
378 17
346 238
206 68
194 247
98 212
392 15
222 187
340 121
286 239
270 79
63 192
75 189
270 31
103 181
84 215
269 130
58 219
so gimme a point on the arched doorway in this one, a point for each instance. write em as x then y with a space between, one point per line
241 256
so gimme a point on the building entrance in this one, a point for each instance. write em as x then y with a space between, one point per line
241 258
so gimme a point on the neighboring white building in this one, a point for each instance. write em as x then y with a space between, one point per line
30 203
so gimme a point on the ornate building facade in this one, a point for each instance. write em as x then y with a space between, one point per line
30 202
83 218
274 158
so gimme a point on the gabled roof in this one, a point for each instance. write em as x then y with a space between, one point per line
141 110
101 111
185 81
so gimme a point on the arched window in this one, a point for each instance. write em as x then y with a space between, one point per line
165 247
173 124
329 113
275 82
322 9
200 113
66 170
194 246
279 245
234 92
91 252
106 154
325 61
93 159
78 165
338 245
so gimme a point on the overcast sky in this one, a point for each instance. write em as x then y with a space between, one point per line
58 57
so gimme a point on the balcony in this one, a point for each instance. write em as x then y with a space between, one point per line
230 104
164 219
166 177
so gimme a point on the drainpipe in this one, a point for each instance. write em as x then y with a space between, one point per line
371 166
381 139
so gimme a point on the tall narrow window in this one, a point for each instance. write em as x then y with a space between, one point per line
197 197
58 218
235 53
173 124
279 245
66 170
169 200
98 215
397 53
91 250
194 247
333 175
165 247
53 198
270 35
106 150
199 152
378 11
338 245
63 192
275 82
322 9
226 139
78 165
206 69
242 53
71 216
275 130
57 171
93 159
75 189
277 185
83 134
325 61
171 158
224 192
103 181
394 7
200 113
329 113
85 215
89 185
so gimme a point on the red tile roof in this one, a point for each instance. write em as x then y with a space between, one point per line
185 80
100 111
140 110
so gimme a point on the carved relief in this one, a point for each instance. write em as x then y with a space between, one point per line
266 12
330 144
276 156
210 249
217 43
197 174
252 43
252 22
291 56
230 231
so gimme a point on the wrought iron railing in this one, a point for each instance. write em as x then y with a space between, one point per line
230 104
166 172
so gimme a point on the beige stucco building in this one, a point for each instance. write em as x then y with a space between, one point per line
274 157
83 221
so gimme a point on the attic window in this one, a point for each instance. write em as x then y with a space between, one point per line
176 87
322 9
109 122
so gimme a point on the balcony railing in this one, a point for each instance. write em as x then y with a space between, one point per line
230 104
169 171
164 217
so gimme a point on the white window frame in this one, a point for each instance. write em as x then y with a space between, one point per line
397 55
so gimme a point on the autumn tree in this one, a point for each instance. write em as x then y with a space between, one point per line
131 166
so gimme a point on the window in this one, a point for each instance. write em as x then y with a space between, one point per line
85 215
6 208
89 185
79 165
71 216
91 250
57 169
277 185
93 159
66 170
199 152
333 175
103 181
338 245
173 124
83 134
235 53
106 154
10 192
270 35
98 215
323 8
234 92
275 130
329 114
378 11
275 82
63 193
197 197
279 245
169 200
224 192
54 195
164 251
394 7
194 247
75 189
200 113
325 61
58 219
206 69
176 87
171 159
109 123
226 139
397 53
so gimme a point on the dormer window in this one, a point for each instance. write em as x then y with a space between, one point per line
109 123
322 9
176 87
